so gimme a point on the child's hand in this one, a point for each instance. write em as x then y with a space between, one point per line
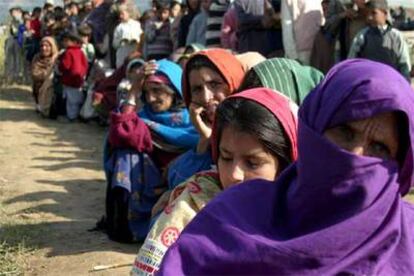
150 68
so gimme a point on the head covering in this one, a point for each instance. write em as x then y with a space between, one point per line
276 103
289 77
196 47
52 42
330 213
173 72
134 62
173 126
250 59
378 4
227 64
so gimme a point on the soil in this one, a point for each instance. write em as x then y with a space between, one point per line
52 184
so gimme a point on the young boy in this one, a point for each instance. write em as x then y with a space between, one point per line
73 67
85 33
127 35
13 58
380 41
158 44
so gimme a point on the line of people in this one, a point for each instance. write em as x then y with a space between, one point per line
238 160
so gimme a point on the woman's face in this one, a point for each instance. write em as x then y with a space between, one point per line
158 97
242 158
377 136
208 89
175 10
193 4
45 49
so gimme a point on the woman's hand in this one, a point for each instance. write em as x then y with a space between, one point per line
203 129
138 77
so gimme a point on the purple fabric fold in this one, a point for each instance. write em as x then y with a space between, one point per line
331 212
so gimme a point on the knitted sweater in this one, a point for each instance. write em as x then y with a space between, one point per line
73 66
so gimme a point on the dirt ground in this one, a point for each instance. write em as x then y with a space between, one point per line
52 191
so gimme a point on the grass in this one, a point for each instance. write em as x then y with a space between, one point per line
12 258
13 243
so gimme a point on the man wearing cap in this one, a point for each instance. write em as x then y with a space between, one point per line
380 41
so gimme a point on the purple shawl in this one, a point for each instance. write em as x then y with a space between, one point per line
331 212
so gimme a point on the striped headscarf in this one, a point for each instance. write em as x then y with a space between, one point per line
289 77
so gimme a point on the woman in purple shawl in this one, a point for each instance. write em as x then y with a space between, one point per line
338 209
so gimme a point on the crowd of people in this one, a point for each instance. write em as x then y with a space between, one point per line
228 150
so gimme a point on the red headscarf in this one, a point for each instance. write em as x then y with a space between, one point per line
227 64
279 105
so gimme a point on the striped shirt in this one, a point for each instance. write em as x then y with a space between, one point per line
214 22
158 40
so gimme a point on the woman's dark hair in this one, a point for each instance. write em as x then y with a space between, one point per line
250 80
250 117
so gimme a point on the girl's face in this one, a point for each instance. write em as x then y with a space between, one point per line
208 89
242 157
193 4
175 10
45 49
163 14
158 97
123 16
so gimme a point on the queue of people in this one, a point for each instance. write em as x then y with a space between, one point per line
228 150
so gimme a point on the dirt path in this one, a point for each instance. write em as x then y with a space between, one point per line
52 190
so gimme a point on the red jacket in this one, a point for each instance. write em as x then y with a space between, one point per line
73 66
36 26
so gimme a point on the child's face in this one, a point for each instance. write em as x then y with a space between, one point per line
68 42
123 16
36 15
26 17
359 3
325 8
74 10
27 23
164 14
205 4
50 22
377 17
175 11
17 14
242 157
85 39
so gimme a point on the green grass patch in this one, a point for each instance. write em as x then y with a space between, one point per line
15 235
12 258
